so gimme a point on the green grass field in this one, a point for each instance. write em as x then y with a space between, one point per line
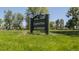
22 41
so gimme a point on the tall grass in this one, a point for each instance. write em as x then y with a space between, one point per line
14 40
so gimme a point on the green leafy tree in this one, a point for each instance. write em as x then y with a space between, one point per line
1 23
77 26
73 13
18 18
58 24
61 24
52 25
8 19
70 24
28 22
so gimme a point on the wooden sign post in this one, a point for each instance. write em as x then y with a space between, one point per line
39 22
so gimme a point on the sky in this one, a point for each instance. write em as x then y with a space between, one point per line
58 13
13 9
54 12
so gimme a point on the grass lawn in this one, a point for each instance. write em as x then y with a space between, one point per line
22 41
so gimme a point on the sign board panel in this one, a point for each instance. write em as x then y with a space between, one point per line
39 22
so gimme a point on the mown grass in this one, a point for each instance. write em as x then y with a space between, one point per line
22 41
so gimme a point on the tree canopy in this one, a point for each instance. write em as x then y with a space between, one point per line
73 15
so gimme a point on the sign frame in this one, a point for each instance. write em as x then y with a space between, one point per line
43 18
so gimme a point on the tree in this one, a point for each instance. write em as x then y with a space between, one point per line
1 23
70 24
77 26
73 15
57 24
61 24
28 22
32 11
37 10
8 19
52 25
18 18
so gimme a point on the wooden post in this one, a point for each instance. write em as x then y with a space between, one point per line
31 25
46 24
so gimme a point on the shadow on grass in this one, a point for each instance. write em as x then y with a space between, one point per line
37 33
66 32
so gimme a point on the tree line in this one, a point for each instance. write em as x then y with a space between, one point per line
58 24
71 24
14 20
